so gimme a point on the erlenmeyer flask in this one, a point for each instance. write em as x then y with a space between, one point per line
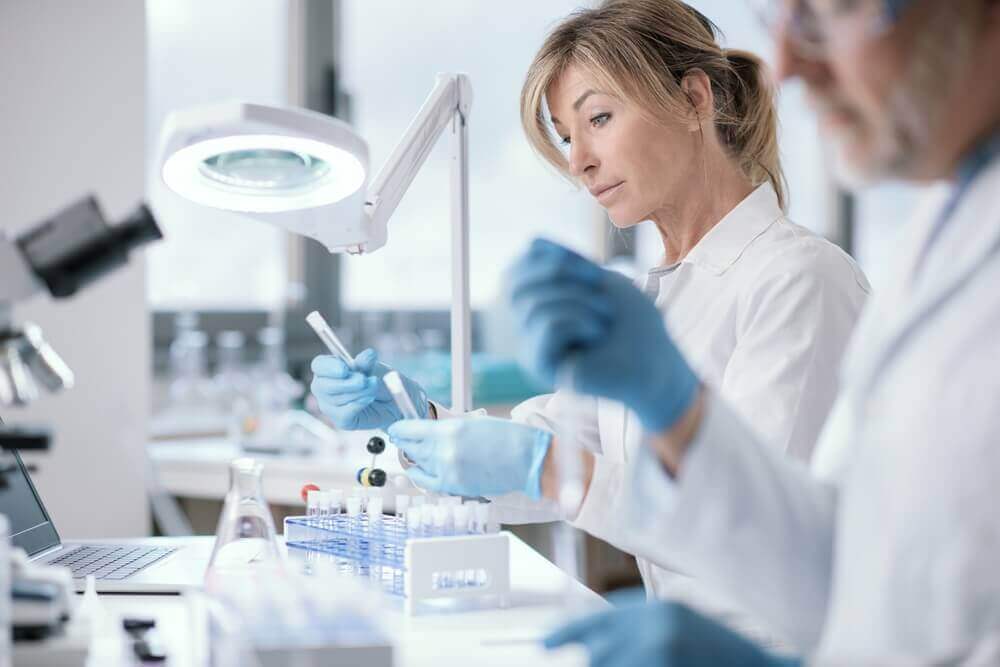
244 541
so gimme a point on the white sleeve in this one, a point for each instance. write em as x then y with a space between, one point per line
984 653
544 412
791 334
755 525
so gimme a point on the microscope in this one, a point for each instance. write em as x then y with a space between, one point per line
58 255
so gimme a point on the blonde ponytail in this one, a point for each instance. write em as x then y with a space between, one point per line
749 128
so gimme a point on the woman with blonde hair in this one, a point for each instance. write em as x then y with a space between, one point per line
637 101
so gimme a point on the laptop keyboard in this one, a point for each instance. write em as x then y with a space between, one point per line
110 561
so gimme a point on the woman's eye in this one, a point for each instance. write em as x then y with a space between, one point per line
564 141
600 119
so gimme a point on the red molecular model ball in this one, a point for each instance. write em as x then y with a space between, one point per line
306 488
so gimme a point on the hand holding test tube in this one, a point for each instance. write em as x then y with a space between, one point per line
394 384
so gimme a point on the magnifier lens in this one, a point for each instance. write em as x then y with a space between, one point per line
264 170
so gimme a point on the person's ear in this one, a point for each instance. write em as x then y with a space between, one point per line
697 87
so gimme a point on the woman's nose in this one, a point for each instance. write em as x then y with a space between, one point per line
581 159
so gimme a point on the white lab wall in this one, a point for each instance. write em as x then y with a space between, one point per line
72 122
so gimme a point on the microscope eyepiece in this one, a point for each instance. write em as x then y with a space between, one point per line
77 246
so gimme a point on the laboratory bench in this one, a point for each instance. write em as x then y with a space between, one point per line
194 473
481 636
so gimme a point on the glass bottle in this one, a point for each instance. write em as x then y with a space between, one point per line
245 543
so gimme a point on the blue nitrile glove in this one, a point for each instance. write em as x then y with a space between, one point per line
665 634
612 335
483 456
359 399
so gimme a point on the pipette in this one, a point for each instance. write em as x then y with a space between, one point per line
567 542
329 338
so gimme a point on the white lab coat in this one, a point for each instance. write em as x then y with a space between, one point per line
762 309
890 546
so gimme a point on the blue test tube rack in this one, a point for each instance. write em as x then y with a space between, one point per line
414 564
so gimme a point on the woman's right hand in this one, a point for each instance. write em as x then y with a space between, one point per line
359 399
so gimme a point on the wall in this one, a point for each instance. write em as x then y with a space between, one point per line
71 122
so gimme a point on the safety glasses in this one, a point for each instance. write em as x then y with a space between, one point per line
817 27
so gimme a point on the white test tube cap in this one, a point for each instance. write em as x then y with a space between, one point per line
414 517
440 516
312 498
353 506
419 501
427 515
483 515
462 513
324 500
375 506
402 503
336 498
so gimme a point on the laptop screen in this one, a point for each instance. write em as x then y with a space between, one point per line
30 525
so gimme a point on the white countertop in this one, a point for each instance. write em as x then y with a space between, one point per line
199 468
479 638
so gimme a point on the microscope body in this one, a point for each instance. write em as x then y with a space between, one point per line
59 255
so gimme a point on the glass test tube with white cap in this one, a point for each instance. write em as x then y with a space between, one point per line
329 338
394 383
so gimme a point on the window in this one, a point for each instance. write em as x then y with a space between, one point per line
391 52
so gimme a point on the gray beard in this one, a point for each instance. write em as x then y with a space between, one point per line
917 103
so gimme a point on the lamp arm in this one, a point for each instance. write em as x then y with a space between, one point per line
451 95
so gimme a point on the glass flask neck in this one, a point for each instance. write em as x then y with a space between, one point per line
245 478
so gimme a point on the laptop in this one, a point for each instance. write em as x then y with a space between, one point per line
151 565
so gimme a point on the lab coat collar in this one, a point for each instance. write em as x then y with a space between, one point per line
973 239
725 242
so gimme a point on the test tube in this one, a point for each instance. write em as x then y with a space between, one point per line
402 504
461 516
482 511
312 502
414 518
354 528
312 510
442 519
375 529
418 501
394 383
427 519
324 506
336 501
363 498
464 578
375 507
325 333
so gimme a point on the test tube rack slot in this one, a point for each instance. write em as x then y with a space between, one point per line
417 566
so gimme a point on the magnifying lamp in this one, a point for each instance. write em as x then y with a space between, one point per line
307 173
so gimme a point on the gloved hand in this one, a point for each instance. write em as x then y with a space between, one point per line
572 311
665 634
359 399
483 456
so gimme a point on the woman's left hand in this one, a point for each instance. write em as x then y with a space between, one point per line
482 456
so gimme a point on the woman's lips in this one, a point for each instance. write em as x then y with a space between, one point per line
608 193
